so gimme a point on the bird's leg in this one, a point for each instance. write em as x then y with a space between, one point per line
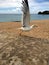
21 33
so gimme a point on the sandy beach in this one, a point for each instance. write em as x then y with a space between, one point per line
31 48
40 31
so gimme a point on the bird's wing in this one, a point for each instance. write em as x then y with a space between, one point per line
25 14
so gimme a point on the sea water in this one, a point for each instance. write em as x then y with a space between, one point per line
18 17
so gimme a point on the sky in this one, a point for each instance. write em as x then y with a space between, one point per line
14 6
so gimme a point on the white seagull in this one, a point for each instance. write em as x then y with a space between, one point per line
25 17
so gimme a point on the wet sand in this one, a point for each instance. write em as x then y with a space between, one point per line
31 48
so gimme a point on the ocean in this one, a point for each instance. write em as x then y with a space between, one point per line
17 17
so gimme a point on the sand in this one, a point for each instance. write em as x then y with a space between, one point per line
40 31
31 48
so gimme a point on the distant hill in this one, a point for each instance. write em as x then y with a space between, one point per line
44 12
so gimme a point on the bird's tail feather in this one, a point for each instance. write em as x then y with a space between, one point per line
19 28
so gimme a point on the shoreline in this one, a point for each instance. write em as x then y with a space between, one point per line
30 21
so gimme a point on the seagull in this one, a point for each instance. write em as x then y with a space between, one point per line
25 17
